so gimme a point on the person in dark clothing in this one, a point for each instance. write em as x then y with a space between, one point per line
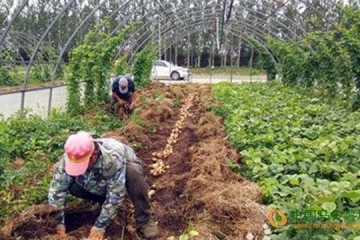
123 93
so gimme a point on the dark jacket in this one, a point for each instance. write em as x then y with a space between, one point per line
131 88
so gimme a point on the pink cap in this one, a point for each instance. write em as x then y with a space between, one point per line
78 150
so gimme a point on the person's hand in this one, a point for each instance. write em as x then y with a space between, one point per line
121 102
60 230
96 234
131 106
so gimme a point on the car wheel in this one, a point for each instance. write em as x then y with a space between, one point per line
175 75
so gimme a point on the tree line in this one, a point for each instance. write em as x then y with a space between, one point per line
229 24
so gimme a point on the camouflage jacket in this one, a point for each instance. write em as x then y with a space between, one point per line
107 176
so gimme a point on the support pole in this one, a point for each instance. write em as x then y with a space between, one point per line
159 41
188 56
231 60
251 63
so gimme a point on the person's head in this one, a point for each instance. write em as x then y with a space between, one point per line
123 85
80 153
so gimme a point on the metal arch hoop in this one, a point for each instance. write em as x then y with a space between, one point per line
172 40
16 14
37 47
200 11
68 42
170 17
202 16
170 27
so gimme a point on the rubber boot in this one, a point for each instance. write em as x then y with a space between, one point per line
150 229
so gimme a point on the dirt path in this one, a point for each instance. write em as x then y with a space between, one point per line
194 192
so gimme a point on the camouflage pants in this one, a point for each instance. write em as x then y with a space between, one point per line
137 190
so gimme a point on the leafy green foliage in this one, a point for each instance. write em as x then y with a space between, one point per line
143 64
5 70
35 74
5 77
301 150
326 60
91 62
40 74
266 60
13 74
29 146
356 98
73 98
121 67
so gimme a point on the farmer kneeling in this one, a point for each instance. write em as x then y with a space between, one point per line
99 170
123 93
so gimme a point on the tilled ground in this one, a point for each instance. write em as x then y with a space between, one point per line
191 186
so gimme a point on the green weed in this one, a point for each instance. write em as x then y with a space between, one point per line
30 145
301 149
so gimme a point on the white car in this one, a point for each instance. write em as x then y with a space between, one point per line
164 70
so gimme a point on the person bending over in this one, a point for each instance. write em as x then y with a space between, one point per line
101 170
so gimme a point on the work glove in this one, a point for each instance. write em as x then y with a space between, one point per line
60 230
96 234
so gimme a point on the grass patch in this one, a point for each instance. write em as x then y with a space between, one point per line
30 145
